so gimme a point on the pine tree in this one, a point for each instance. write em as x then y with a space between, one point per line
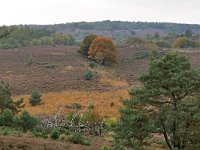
168 103
6 101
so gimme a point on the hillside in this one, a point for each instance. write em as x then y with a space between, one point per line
58 72
64 93
118 30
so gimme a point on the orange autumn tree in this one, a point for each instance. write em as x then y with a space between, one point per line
103 51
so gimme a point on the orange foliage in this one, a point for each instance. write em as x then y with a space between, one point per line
183 42
101 100
103 51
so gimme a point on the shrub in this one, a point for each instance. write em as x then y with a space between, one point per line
91 116
112 104
6 118
156 35
25 121
35 98
156 55
163 43
92 64
7 131
40 134
183 42
63 137
86 142
74 106
103 51
90 106
55 134
104 147
110 123
85 45
76 138
88 75
30 60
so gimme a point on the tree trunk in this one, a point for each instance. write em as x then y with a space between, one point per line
176 138
170 146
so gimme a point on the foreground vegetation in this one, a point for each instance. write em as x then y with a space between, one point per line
167 103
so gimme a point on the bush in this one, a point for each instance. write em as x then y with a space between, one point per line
92 64
110 123
86 142
6 118
30 60
103 51
163 43
155 54
156 35
74 106
25 121
104 147
7 131
35 98
112 104
88 75
40 134
91 116
55 134
76 138
183 42
85 45
90 106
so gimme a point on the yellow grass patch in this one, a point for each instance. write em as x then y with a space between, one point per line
68 68
114 82
101 101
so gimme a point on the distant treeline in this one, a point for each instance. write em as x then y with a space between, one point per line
21 36
120 25
184 40
118 30
163 34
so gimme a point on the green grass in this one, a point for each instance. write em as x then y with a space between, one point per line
141 55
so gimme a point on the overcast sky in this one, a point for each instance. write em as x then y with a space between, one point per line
62 11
